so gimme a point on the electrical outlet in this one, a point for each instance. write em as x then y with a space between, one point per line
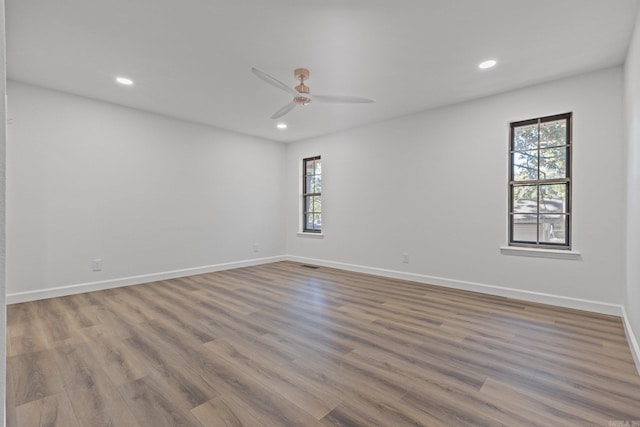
405 258
256 247
96 265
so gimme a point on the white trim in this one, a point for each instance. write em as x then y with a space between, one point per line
631 338
557 300
132 280
310 235
539 297
540 253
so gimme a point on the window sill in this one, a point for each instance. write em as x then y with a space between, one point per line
540 253
310 235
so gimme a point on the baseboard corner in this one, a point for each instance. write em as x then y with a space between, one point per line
631 338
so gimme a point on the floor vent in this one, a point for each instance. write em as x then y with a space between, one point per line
310 266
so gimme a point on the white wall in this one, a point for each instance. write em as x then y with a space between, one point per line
3 307
146 194
151 195
434 185
632 104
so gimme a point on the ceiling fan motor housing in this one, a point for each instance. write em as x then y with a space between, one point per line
301 93
301 100
302 74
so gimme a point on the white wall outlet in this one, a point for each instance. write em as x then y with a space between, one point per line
405 258
256 247
96 264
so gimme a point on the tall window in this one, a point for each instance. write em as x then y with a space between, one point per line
312 194
540 182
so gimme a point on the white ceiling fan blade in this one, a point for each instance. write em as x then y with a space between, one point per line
273 81
342 99
284 110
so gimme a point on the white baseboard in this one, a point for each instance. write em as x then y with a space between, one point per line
557 300
18 297
543 298
577 303
631 338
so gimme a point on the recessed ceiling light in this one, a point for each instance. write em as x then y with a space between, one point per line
124 81
487 64
281 125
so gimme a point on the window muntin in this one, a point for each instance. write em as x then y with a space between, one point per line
312 194
540 182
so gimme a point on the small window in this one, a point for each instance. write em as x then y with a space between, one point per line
540 182
312 195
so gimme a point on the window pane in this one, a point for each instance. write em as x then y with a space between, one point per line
313 204
553 229
553 198
313 222
553 134
311 166
308 219
525 198
525 165
525 228
317 221
318 167
314 184
553 163
525 137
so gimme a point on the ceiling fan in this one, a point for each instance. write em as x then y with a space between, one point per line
300 93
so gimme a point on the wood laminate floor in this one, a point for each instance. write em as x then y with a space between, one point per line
285 345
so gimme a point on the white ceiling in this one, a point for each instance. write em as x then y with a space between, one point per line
192 59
